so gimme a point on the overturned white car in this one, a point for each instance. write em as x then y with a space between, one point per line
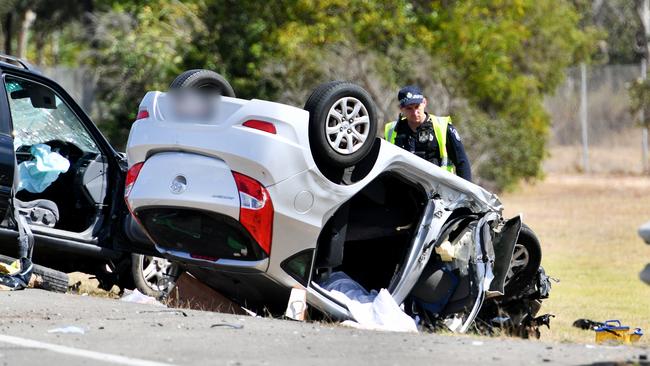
257 198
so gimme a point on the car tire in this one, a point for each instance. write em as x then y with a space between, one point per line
205 80
153 276
50 279
525 262
342 124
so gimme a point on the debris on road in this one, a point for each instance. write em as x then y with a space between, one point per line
194 294
297 305
173 311
370 310
613 332
610 331
137 297
228 325
17 274
71 329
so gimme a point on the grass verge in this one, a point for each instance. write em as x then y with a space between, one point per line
587 226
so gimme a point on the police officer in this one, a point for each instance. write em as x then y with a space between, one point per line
430 137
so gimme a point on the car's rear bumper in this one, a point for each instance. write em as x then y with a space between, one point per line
177 179
229 265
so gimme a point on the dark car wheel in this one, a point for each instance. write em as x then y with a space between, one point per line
342 123
205 80
153 276
525 262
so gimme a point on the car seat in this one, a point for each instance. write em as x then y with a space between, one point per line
38 212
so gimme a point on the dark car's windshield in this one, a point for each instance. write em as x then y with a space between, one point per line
39 116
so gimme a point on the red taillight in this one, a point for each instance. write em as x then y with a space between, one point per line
143 113
256 210
261 125
131 177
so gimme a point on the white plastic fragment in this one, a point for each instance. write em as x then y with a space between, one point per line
71 329
376 311
297 305
137 297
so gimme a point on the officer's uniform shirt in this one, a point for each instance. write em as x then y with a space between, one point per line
423 143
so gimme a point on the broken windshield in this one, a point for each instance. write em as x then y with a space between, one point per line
39 116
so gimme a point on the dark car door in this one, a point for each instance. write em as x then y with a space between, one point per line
89 195
84 193
7 155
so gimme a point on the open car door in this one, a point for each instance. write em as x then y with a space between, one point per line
7 155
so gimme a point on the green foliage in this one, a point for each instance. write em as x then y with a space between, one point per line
640 100
508 54
621 29
486 62
136 50
500 56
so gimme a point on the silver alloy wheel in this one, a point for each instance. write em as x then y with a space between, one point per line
348 125
518 262
159 273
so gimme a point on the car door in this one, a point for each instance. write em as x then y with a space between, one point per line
7 156
88 195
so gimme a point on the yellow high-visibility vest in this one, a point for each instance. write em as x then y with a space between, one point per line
440 125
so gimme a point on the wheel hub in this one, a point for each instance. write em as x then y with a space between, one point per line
348 125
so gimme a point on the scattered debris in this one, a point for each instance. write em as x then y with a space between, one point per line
137 297
227 325
586 324
613 332
194 294
297 305
610 331
373 310
17 274
71 329
173 311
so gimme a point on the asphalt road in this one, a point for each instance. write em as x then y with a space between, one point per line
120 333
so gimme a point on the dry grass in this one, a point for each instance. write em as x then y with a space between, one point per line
620 153
87 285
588 229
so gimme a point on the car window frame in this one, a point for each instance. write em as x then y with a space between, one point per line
63 101
7 153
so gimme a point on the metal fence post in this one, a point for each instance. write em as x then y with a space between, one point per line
583 117
644 130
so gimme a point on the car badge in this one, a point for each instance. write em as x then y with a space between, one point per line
178 185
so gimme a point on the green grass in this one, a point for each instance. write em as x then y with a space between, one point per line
588 229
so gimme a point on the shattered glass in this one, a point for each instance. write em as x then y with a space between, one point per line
35 125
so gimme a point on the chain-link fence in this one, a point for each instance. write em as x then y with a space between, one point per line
613 141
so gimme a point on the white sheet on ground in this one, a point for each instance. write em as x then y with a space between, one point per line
371 310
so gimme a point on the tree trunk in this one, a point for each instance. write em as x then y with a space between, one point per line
26 21
8 33
643 8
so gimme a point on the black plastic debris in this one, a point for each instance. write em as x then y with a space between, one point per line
227 325
586 324
18 280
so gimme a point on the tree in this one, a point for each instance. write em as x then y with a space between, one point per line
137 47
488 63
491 62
